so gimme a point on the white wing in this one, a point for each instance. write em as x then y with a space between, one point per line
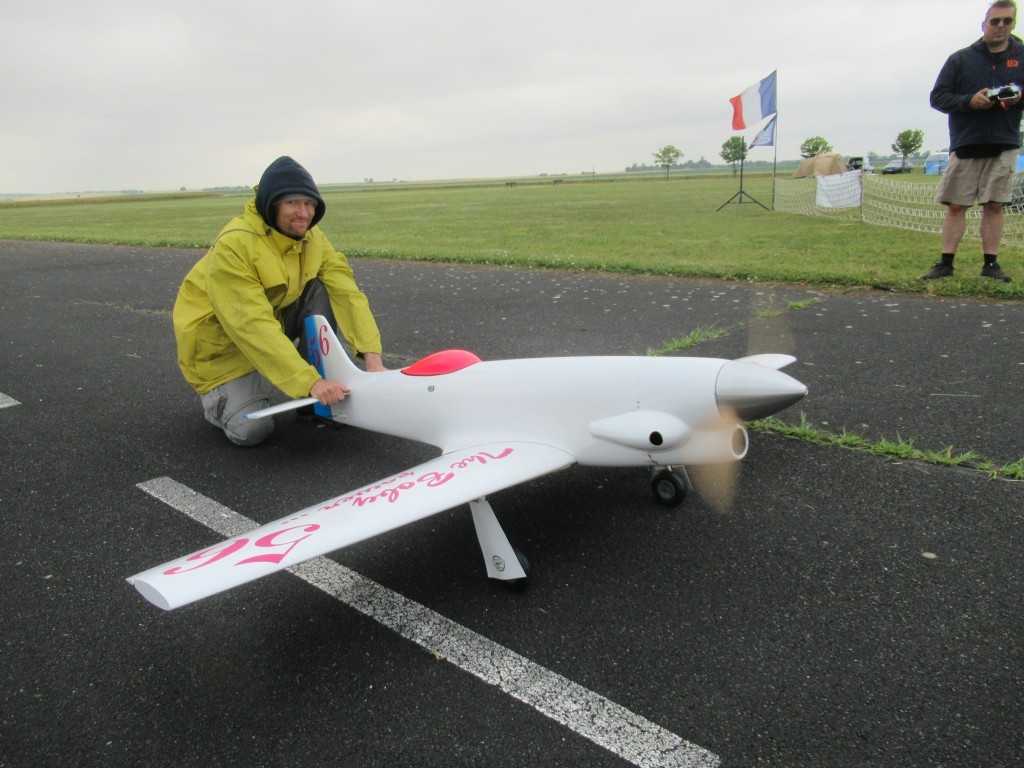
445 482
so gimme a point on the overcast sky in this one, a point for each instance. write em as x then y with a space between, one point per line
135 94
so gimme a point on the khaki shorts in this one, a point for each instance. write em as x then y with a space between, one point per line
977 179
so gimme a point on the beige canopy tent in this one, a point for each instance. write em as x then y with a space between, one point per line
826 164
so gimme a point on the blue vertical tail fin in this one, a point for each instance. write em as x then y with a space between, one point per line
326 353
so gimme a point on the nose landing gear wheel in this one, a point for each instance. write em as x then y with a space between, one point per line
669 488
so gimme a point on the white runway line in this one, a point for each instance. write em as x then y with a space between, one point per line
7 402
588 714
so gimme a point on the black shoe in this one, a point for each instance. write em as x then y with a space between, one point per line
307 415
939 270
994 271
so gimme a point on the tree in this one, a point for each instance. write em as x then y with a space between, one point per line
907 143
734 150
666 157
814 146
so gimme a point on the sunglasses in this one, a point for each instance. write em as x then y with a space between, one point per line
1006 22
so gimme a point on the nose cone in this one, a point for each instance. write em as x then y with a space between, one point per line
753 391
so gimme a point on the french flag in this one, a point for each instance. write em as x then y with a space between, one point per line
754 104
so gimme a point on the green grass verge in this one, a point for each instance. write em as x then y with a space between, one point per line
899 449
695 337
648 226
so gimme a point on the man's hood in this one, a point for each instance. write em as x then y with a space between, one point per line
283 177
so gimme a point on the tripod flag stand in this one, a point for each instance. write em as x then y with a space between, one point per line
764 138
754 104
739 196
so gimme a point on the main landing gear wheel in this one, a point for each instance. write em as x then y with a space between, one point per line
522 560
518 584
669 488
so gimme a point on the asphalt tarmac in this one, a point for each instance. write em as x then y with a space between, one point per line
846 610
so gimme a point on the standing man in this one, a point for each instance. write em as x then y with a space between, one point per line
239 319
984 135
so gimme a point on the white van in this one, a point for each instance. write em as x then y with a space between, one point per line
860 164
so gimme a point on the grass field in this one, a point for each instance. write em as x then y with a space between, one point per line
649 225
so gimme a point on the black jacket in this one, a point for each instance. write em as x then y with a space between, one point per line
965 73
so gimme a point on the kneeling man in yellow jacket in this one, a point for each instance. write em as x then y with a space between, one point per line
243 305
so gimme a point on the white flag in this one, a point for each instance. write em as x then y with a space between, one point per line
766 136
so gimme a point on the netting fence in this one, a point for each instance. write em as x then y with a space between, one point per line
888 201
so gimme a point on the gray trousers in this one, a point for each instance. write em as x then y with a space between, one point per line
226 406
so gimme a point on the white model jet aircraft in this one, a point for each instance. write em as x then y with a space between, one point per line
497 424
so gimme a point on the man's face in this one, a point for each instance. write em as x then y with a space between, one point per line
995 30
294 216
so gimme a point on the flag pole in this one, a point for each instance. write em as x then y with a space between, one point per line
743 159
775 144
775 160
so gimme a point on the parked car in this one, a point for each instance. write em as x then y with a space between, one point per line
859 164
897 165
